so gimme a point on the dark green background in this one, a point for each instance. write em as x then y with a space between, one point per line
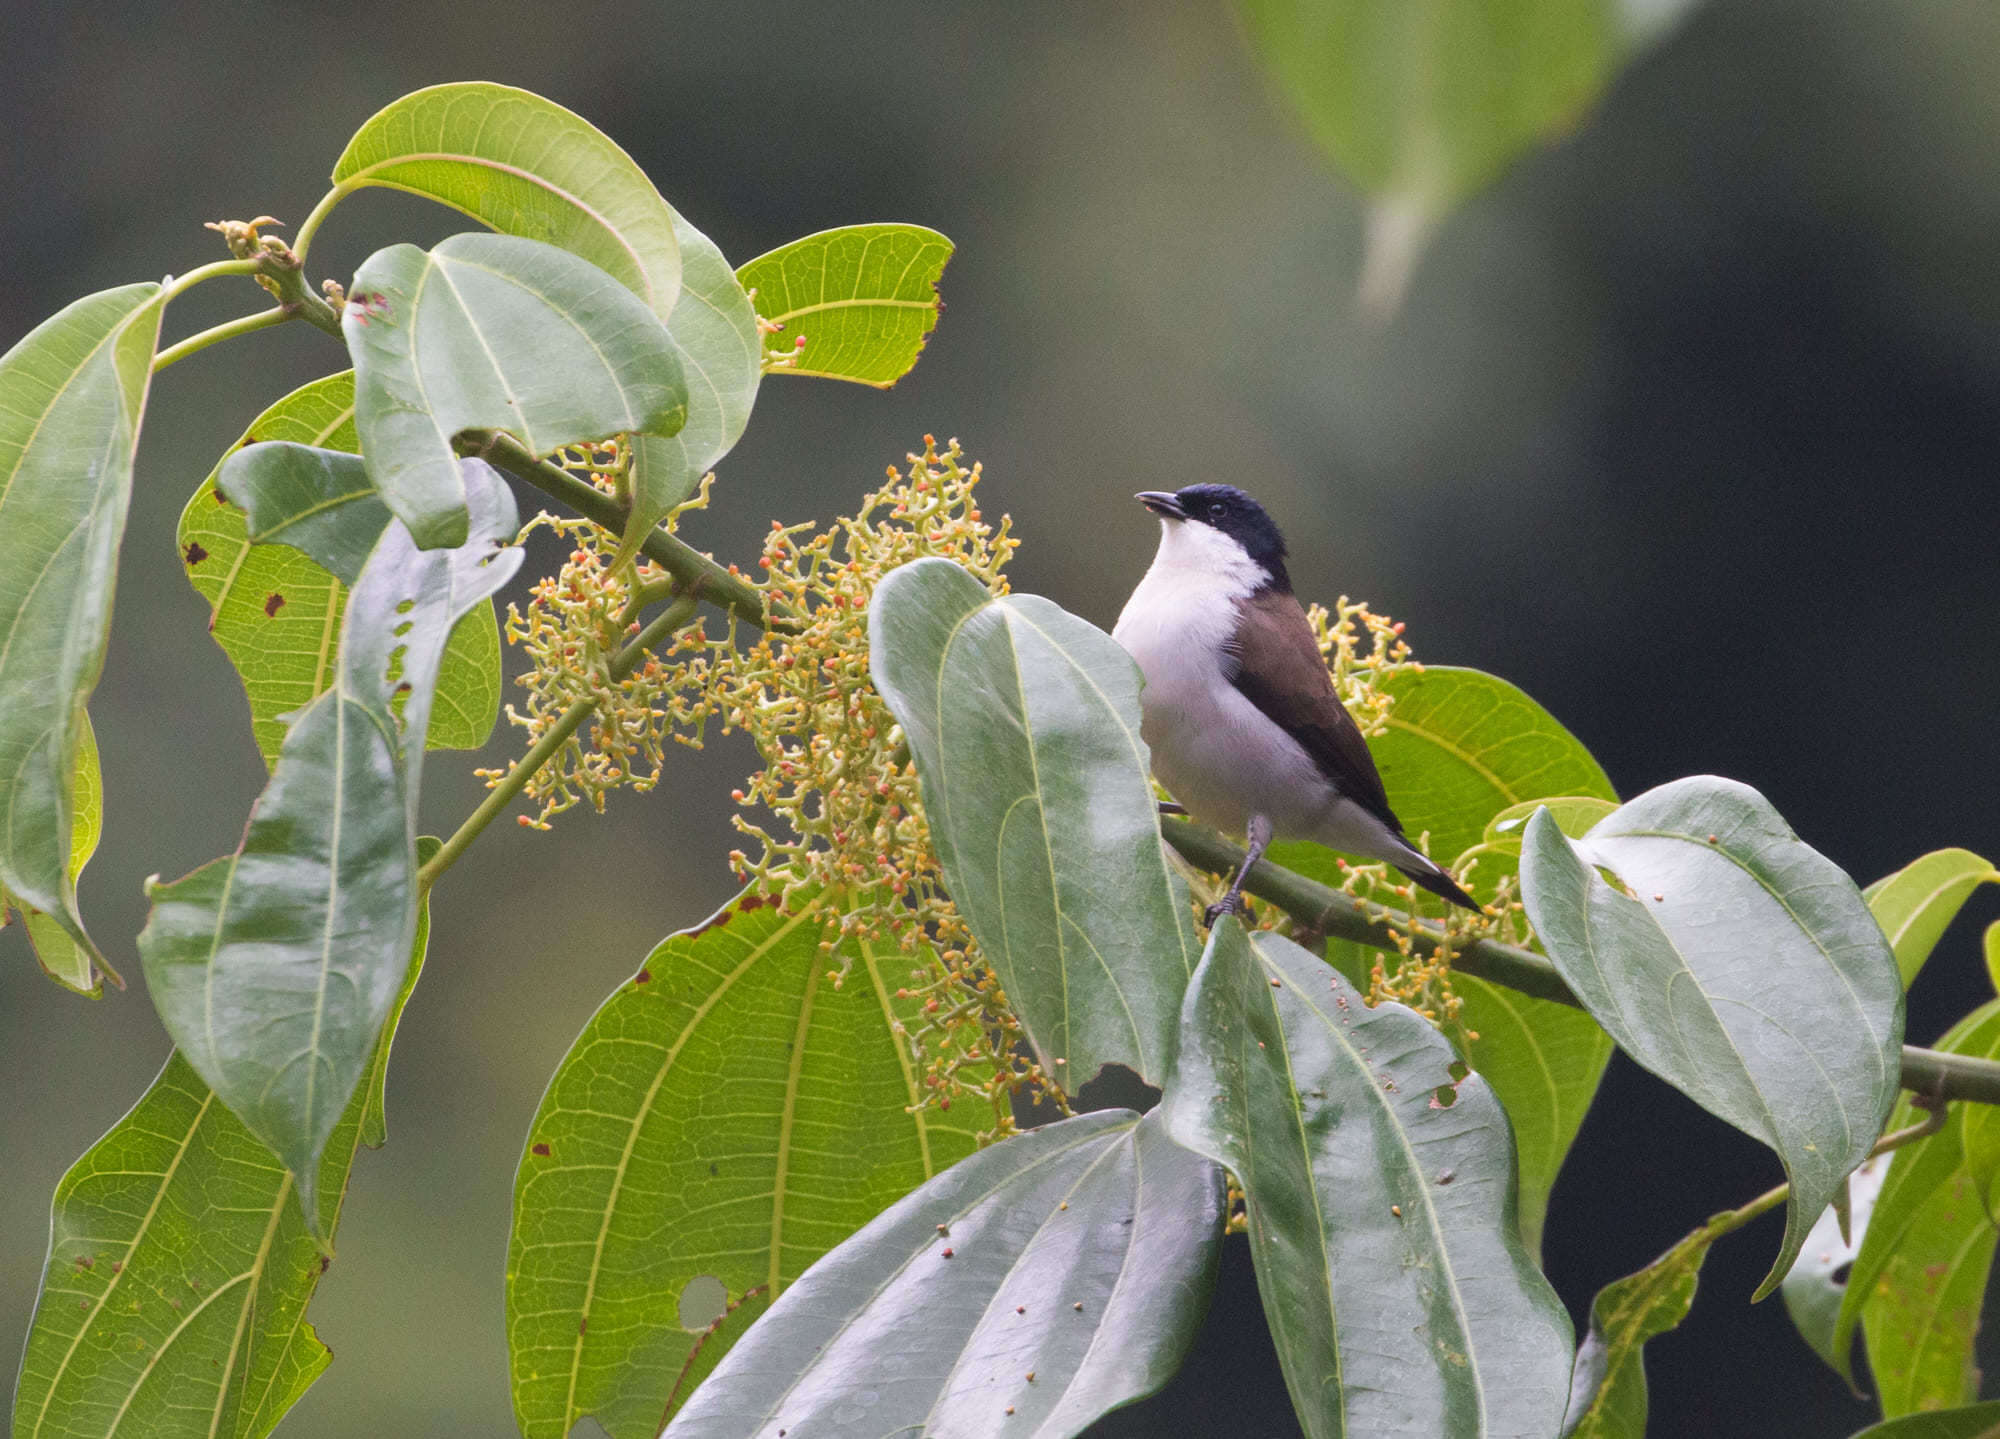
1689 427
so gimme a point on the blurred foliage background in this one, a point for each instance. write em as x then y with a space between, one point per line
1688 426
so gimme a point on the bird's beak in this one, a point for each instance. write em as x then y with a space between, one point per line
1162 504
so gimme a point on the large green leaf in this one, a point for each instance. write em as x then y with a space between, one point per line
179 1271
525 166
1917 903
1977 1421
60 956
528 167
495 332
1422 104
714 329
1024 722
1464 750
71 396
852 304
725 1118
274 968
276 613
1738 964
1380 1187
1925 1254
1025 1291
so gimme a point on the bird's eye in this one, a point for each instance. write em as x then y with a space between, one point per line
1218 509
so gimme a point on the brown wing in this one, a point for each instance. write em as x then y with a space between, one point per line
1278 668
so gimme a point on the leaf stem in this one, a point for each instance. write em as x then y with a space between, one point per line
1929 1072
694 572
200 273
672 618
284 270
319 213
262 320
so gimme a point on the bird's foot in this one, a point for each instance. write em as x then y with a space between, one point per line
1231 903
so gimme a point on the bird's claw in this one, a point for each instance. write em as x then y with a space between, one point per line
1231 903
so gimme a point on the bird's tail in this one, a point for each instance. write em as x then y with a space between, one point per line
1439 883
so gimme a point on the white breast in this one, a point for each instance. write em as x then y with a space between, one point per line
1214 751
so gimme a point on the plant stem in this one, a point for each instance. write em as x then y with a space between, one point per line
262 320
286 272
695 572
319 213
1334 912
195 276
672 618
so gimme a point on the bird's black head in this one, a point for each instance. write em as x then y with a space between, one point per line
1228 509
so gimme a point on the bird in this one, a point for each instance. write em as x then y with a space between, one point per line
1246 731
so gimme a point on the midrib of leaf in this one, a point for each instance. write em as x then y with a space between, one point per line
890 1278
1930 897
1446 1270
1929 1326
1456 752
118 1278
1048 843
1312 1184
329 632
193 1314
852 304
236 565
255 1275
270 537
437 263
570 1412
332 897
361 178
794 1066
919 1111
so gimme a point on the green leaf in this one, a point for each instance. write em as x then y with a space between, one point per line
315 500
71 396
277 614
1574 815
851 304
1421 105
1380 1189
809 1124
1608 1388
714 330
1024 721
1814 1290
1466 751
525 166
1925 1256
274 968
1978 1421
173 1302
1917 903
495 332
1025 1291
1736 963
61 957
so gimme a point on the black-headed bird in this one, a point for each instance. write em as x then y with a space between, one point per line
1246 731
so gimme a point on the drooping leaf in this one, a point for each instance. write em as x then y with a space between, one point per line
1465 751
1813 1291
1608 1388
1025 1291
852 304
495 332
277 614
1786 1021
318 501
727 1117
525 166
60 956
1024 722
1977 1421
71 396
274 968
714 330
1380 1189
1925 1255
1917 903
1422 105
173 1302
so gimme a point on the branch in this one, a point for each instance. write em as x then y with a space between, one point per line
1928 1072
694 572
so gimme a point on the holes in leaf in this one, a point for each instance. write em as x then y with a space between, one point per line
405 607
1458 1069
703 1301
1443 1097
1839 1277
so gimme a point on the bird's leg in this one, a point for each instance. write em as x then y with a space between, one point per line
1259 840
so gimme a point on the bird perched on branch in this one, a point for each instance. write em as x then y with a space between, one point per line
1246 731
